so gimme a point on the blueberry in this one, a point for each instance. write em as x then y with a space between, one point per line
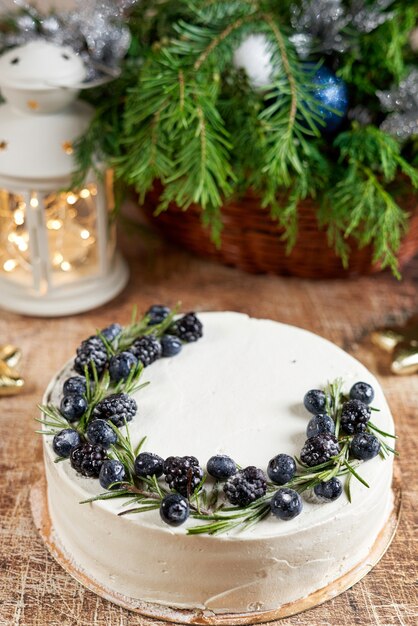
281 469
329 491
364 446
363 392
174 509
65 441
170 345
112 471
120 366
75 384
100 431
314 401
73 407
111 332
321 423
286 504
148 464
157 314
221 467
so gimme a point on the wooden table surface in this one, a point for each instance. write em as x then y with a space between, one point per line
35 591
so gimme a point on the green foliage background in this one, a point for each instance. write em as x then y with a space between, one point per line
182 114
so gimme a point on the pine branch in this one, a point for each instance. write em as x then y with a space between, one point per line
184 116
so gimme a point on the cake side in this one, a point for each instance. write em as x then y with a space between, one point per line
267 565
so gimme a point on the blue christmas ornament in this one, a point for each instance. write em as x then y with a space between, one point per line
330 91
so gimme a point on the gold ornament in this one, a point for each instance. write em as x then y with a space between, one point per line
10 381
402 343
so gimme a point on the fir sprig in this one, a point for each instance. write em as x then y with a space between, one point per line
183 115
361 204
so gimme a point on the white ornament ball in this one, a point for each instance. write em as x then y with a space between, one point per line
254 56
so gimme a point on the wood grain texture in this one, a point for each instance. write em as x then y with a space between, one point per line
34 591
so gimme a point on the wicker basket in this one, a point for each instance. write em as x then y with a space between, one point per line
251 239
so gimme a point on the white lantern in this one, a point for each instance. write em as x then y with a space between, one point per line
57 247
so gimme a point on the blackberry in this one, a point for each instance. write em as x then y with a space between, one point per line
111 332
183 474
91 350
221 467
120 366
117 408
149 464
321 423
329 490
147 349
281 469
100 431
286 504
75 384
246 486
157 314
363 392
87 459
314 401
365 446
73 406
65 441
189 328
354 416
112 471
319 449
170 345
174 509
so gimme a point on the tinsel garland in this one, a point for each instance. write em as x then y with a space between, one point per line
402 103
323 26
97 30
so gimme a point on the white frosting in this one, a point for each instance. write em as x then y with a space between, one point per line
237 391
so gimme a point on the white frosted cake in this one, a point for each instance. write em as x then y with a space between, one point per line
238 391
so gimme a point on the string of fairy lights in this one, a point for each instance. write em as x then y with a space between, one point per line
70 226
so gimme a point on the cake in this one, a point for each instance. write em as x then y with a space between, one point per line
238 391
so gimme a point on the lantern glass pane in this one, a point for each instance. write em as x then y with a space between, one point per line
14 239
111 213
71 226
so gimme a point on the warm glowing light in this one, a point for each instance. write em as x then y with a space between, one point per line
65 266
84 193
57 258
9 265
19 217
34 202
93 190
84 234
71 198
21 244
54 224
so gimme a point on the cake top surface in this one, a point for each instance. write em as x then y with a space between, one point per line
239 391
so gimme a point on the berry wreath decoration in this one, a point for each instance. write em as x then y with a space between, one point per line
96 405
290 100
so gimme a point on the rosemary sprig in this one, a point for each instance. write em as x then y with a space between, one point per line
333 401
140 327
53 421
230 518
96 391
